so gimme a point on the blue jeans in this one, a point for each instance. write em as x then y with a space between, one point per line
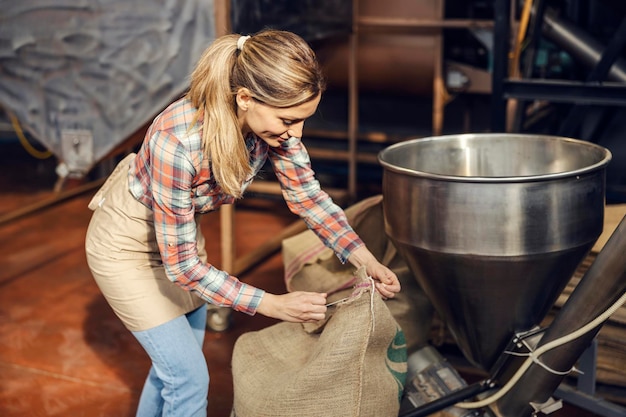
178 382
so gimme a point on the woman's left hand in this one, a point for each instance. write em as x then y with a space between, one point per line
387 282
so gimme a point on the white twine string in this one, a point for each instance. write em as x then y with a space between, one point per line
371 284
537 361
372 291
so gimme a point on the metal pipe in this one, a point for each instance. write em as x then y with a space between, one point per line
601 286
579 44
450 399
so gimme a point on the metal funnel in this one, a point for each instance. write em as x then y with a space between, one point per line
493 226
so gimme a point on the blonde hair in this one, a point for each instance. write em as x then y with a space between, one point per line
277 67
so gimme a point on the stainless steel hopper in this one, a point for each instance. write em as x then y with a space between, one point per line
493 226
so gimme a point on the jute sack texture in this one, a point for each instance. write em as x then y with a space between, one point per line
353 364
310 266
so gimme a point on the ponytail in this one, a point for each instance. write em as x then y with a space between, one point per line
211 93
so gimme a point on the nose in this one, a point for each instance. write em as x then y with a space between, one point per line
295 130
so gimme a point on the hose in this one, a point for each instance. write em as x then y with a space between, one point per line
534 356
22 138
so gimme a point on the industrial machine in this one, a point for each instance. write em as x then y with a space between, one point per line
493 227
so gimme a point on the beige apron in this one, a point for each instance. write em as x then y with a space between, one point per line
124 258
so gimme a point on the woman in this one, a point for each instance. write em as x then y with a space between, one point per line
247 102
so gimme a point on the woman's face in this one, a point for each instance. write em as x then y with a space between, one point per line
272 124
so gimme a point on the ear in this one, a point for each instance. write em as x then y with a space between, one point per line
243 98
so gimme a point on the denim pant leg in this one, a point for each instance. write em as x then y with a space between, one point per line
178 382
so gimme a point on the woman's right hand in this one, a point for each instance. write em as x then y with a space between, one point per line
297 306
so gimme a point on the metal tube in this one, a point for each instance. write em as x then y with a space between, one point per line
450 399
579 44
601 286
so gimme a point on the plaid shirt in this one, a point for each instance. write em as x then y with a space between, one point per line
171 176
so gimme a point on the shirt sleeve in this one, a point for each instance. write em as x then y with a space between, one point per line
304 197
172 174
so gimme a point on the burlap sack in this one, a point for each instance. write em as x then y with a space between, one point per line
352 364
310 266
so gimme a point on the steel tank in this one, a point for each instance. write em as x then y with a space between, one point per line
493 226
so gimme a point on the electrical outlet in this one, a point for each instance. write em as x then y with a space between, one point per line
77 150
